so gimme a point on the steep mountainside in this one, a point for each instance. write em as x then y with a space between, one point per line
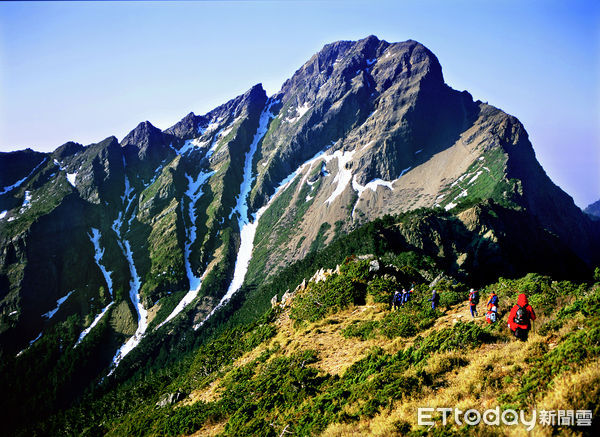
593 210
114 247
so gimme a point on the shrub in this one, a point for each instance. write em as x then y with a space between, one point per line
362 330
382 289
336 292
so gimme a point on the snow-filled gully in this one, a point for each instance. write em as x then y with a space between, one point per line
135 282
20 182
194 192
98 254
247 227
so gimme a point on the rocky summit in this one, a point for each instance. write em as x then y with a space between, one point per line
116 253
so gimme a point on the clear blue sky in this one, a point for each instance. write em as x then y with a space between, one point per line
84 71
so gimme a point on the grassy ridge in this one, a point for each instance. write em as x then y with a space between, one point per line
350 366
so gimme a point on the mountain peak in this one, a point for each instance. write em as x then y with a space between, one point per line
68 149
256 92
143 134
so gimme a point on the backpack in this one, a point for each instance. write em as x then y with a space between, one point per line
522 316
475 298
491 317
494 300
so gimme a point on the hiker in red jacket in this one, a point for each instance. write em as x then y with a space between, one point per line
520 317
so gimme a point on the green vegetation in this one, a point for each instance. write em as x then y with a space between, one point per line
321 238
47 194
484 179
336 292
261 386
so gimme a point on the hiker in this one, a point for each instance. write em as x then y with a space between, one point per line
397 300
493 300
520 318
492 306
435 299
473 301
403 297
407 295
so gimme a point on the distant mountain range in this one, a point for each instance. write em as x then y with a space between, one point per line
120 243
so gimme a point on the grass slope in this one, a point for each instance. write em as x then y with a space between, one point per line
335 361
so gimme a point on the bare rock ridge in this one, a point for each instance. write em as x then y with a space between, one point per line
593 210
149 232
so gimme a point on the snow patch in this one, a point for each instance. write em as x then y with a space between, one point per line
142 314
404 171
474 178
71 178
27 200
300 111
87 330
3 214
372 185
343 176
460 179
59 302
20 182
487 169
98 253
226 131
35 339
213 125
450 206
30 344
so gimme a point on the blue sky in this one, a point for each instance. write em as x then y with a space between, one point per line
85 71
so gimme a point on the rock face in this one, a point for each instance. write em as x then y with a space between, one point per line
363 129
593 210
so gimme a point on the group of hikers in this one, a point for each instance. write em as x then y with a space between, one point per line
519 319
401 297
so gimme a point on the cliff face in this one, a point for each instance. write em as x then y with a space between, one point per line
163 227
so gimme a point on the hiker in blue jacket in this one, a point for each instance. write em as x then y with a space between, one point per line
435 299
396 300
407 296
403 297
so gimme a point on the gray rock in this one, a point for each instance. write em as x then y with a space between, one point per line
170 399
